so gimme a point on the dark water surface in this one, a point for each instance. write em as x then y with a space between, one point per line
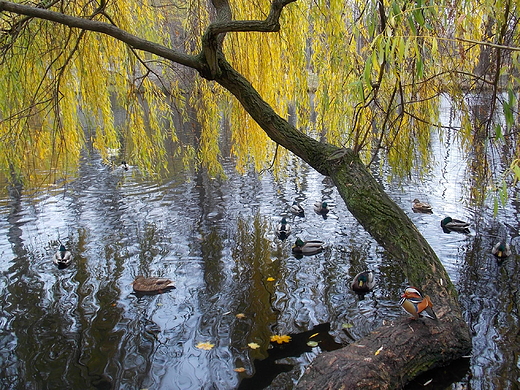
83 327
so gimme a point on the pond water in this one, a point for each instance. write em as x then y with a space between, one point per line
83 327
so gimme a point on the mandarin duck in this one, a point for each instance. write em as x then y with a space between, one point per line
307 247
283 230
501 250
297 209
363 283
449 224
414 303
62 258
321 208
421 207
152 285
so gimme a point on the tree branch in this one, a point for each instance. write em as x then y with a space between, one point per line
104 28
211 43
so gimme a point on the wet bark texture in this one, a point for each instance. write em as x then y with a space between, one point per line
409 347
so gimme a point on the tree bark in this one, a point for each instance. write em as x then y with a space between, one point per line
408 347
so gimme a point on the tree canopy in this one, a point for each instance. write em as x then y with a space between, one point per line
364 75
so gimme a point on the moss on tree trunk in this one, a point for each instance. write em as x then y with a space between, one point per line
408 347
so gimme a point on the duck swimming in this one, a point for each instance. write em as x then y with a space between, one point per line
152 285
414 303
62 257
283 230
449 224
307 247
501 250
421 207
363 283
297 209
321 208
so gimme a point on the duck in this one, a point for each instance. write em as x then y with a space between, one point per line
124 165
421 207
307 247
321 208
501 250
297 209
449 224
152 285
363 282
418 305
283 230
62 257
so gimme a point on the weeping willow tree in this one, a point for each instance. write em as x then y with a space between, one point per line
335 83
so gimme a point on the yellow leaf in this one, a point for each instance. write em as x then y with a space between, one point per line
280 339
240 315
312 343
206 346
270 279
378 351
240 369
314 335
253 345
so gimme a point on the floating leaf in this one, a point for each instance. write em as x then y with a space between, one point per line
240 369
240 316
347 326
378 351
270 279
312 343
253 345
314 335
206 346
280 339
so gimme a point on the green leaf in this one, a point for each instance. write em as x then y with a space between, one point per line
420 67
368 70
411 22
419 17
498 132
516 171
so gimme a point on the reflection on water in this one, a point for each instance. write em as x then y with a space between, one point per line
236 283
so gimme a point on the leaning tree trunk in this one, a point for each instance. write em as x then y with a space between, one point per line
405 348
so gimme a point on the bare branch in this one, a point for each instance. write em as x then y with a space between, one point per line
212 39
104 28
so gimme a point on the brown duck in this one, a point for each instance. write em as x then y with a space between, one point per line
151 285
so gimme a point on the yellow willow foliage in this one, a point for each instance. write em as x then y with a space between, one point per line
372 83
275 64
56 82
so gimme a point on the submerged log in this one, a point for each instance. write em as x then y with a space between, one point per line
390 356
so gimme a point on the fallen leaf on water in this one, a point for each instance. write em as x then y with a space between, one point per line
347 326
280 339
312 343
253 345
314 335
206 346
240 369
427 382
378 351
240 315
270 279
